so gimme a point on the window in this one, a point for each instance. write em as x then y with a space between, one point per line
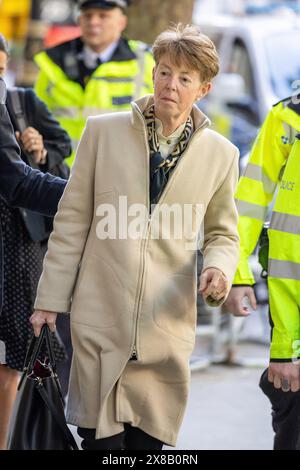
240 64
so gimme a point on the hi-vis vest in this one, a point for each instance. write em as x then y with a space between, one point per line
263 175
284 261
111 87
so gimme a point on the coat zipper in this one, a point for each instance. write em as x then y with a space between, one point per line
134 351
146 235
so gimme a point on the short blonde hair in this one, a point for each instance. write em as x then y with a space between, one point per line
187 45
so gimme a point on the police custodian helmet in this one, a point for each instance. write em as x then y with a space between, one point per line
106 4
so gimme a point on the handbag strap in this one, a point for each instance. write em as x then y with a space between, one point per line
29 352
21 119
44 336
18 110
34 346
33 352
58 418
50 347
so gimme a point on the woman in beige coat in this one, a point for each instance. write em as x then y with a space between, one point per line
146 187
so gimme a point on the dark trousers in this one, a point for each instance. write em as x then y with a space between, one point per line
285 415
130 439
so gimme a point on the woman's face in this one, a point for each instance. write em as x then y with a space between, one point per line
3 63
176 89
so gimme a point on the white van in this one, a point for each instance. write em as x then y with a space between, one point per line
260 65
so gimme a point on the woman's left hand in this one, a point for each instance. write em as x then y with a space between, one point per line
213 283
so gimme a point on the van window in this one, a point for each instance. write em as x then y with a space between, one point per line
240 64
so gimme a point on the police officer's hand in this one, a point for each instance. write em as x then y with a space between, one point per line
40 317
33 142
213 286
285 375
235 299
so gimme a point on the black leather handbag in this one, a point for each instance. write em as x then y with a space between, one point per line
38 421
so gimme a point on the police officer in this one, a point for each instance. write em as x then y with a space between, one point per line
274 167
96 73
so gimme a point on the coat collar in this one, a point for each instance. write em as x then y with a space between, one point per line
138 107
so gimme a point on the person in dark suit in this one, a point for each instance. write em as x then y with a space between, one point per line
44 145
21 186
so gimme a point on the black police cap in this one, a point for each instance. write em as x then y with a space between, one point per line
106 4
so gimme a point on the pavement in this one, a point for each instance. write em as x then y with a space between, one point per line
226 411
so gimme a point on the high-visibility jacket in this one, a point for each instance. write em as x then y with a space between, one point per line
284 261
111 87
272 170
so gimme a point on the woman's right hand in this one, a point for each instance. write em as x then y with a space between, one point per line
40 317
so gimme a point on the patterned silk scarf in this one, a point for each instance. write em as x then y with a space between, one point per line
160 168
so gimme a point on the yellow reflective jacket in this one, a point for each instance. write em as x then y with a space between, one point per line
284 262
274 168
257 186
72 94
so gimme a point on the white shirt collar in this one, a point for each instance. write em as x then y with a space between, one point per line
90 57
172 137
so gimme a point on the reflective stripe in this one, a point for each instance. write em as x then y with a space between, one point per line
251 210
255 172
284 269
285 223
115 79
68 111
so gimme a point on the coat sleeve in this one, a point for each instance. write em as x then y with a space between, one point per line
56 140
221 240
20 185
71 227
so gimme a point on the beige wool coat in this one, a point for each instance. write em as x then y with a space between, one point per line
125 293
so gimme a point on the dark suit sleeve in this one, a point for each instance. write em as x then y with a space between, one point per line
20 185
56 140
